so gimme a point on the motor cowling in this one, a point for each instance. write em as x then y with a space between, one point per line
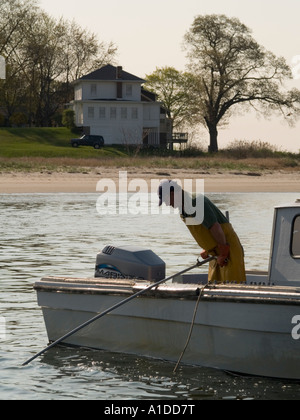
129 262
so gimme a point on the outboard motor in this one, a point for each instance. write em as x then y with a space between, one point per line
129 263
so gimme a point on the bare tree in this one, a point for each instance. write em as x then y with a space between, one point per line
230 68
43 56
83 52
14 16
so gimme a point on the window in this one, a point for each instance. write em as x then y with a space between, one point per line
296 238
102 112
124 113
113 113
93 89
128 90
134 113
91 112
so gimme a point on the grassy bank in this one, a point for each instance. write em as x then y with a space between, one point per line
46 143
39 149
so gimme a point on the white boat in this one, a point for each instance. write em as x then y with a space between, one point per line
251 328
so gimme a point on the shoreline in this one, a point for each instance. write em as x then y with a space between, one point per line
86 182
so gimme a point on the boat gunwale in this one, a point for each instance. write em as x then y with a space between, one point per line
211 293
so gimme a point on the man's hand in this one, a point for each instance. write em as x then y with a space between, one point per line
223 251
204 255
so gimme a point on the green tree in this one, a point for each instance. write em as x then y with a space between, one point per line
231 69
68 118
170 85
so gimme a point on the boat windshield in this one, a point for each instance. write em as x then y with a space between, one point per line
296 238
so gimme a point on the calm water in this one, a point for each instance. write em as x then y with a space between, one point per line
60 234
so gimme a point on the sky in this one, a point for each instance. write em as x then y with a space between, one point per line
149 34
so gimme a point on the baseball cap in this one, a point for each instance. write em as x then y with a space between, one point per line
164 185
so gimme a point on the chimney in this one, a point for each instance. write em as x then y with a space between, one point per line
119 83
119 72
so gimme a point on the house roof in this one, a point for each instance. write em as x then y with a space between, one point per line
110 73
148 96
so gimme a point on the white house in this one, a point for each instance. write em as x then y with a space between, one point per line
112 103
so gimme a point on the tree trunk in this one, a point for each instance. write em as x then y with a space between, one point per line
213 134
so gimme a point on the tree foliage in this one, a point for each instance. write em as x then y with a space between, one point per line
43 57
171 87
230 69
68 118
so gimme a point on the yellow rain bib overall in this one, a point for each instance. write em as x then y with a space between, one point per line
234 271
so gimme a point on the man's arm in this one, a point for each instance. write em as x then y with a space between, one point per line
218 234
223 247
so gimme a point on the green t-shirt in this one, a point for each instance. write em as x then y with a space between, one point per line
211 215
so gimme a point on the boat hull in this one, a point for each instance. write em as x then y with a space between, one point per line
240 329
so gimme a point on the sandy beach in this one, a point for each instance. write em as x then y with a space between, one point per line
86 182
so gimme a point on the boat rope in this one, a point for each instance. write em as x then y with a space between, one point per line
191 327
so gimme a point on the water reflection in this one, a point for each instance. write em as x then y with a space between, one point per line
145 378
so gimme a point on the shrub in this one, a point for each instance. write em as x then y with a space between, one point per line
289 162
18 119
242 149
68 118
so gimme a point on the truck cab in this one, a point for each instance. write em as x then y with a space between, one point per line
284 267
